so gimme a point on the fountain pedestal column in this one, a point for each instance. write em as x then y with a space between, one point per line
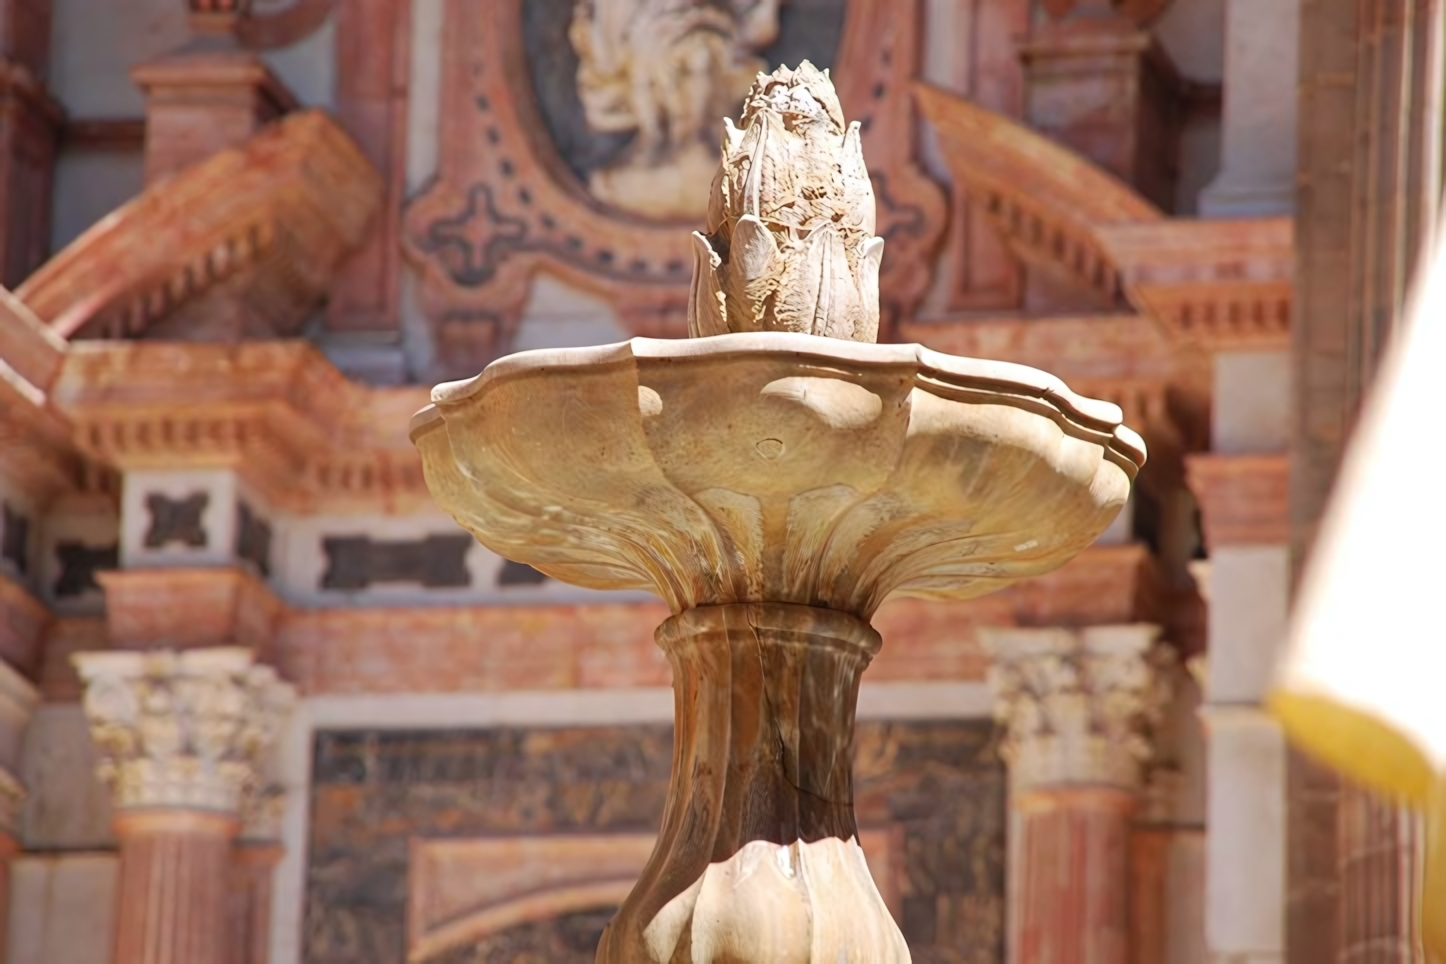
758 859
1077 707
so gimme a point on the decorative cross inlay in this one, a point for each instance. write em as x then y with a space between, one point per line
176 520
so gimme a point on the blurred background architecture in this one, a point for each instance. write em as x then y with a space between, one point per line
260 701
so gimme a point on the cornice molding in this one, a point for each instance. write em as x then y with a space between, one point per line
1244 499
271 219
1213 284
1216 284
279 413
1044 199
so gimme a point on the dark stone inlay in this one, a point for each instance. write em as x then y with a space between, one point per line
253 538
435 562
78 565
938 783
176 520
565 939
15 541
519 574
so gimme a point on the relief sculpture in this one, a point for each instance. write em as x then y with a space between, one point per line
665 71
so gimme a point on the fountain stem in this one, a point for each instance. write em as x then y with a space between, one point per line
758 858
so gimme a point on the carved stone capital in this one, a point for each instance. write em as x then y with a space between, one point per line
185 730
1078 706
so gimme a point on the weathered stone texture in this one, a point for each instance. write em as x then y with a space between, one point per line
939 784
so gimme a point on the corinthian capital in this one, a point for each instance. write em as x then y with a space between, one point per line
1078 706
182 729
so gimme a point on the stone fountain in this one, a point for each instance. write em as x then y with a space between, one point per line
774 478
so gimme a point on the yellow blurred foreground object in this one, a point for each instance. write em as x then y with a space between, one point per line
1363 685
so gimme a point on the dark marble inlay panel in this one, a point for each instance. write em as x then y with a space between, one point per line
565 939
78 565
15 540
939 782
176 520
253 538
434 562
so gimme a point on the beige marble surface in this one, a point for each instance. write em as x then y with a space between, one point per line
776 466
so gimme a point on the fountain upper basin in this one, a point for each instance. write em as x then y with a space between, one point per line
777 467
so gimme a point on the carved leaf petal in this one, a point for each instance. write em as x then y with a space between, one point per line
817 294
858 188
705 301
869 261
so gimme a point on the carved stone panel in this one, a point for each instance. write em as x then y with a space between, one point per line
561 151
435 562
386 805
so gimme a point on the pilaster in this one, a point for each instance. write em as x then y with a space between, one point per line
182 739
1078 709
1097 82
1258 114
1242 493
30 123
209 95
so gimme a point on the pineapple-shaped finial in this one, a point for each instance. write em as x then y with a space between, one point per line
790 243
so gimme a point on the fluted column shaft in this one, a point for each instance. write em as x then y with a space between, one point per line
1071 890
253 866
1379 845
173 889
1077 709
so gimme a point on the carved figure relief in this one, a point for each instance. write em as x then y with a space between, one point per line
665 70
552 114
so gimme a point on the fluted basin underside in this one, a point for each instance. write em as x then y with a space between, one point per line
776 467
758 860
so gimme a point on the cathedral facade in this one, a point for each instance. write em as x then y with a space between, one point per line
263 702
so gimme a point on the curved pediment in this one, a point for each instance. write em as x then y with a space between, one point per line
1216 284
243 244
1043 198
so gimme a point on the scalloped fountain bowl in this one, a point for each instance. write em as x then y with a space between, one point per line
772 467
773 488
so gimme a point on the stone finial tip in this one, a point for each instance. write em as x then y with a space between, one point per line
790 240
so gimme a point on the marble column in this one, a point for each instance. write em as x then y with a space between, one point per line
1078 709
1372 84
182 737
1258 113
